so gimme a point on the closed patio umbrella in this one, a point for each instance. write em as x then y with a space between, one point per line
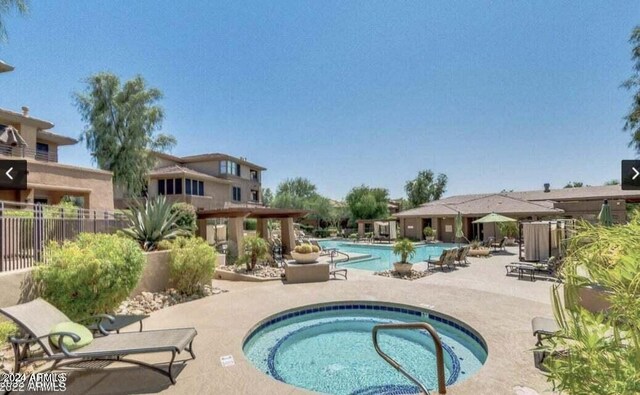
458 224
10 136
605 217
494 218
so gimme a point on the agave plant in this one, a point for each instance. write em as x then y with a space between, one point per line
152 222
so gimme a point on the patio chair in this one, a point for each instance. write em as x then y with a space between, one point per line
543 328
446 259
548 267
461 256
499 246
322 250
38 317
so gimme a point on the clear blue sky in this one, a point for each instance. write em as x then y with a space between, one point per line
494 94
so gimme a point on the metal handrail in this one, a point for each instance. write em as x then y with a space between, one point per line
439 353
334 252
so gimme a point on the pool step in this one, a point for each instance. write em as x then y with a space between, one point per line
394 389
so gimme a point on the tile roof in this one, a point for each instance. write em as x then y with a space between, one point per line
478 205
176 169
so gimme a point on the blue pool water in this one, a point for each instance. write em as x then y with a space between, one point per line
382 256
329 349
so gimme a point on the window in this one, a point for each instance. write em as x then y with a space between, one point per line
178 186
255 196
201 188
236 194
187 186
229 167
42 148
253 174
194 187
161 190
169 186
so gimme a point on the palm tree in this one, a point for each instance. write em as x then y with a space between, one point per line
6 7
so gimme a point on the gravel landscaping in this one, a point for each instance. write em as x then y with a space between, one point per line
414 275
148 302
259 271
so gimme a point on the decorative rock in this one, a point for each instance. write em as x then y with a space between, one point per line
415 274
259 271
148 302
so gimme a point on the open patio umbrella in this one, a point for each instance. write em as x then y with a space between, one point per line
494 218
605 217
458 224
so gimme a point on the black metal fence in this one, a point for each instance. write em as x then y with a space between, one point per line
27 229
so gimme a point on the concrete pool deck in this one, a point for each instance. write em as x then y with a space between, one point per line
500 308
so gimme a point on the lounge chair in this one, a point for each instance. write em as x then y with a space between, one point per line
447 258
499 246
461 256
548 267
38 317
322 250
543 328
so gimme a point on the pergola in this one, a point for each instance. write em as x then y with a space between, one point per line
237 215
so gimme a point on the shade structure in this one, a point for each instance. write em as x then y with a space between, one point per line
458 225
605 217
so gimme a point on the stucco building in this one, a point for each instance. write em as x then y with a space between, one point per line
207 181
48 180
579 203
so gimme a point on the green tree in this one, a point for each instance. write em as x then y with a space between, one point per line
6 7
612 182
574 184
632 119
368 203
122 121
426 187
321 209
267 196
295 193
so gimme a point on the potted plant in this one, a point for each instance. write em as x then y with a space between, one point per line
478 250
305 253
429 234
406 250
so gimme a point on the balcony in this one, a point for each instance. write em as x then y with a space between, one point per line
26 152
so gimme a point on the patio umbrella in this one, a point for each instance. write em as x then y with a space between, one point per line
605 217
494 218
10 136
458 224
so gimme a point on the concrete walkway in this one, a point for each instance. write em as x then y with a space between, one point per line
500 308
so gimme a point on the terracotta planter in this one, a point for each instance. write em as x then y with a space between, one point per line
402 268
479 252
305 258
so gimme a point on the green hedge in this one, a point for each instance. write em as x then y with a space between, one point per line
191 265
321 233
90 275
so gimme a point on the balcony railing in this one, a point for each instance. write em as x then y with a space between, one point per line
26 152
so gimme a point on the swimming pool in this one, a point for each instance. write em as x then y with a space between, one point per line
382 256
328 348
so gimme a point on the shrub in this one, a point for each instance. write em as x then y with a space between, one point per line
191 265
321 233
353 236
255 249
151 222
508 229
7 329
404 248
186 217
90 275
428 231
599 352
250 224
